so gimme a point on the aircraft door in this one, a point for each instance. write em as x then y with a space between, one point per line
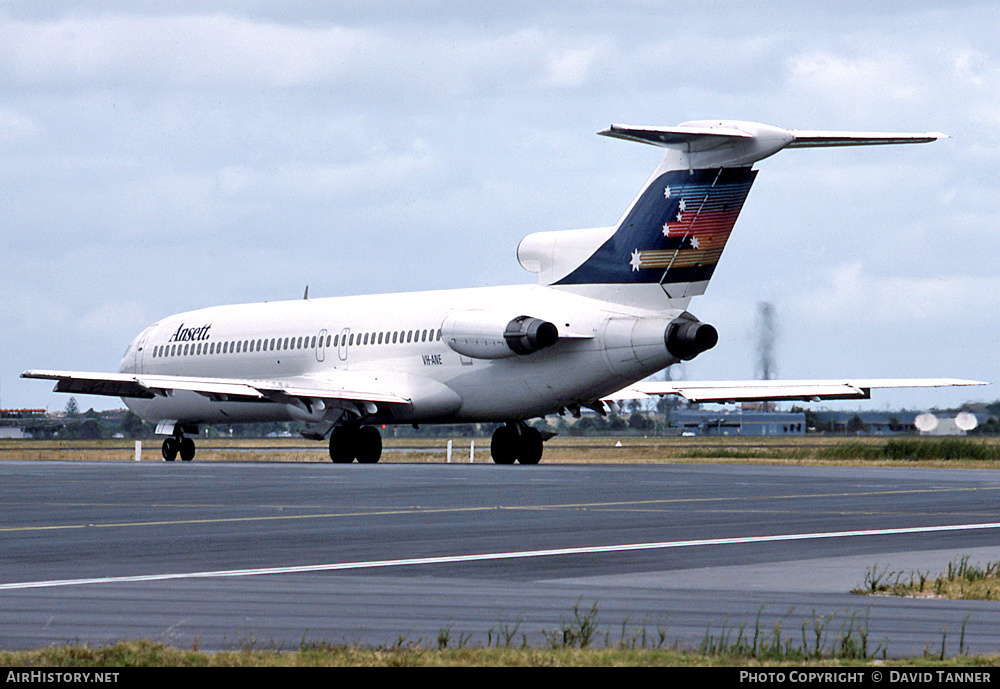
342 347
321 346
140 350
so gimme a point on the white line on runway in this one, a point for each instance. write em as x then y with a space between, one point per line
449 559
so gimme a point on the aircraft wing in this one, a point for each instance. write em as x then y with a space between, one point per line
778 390
345 385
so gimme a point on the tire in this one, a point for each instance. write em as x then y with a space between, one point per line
170 448
187 449
342 446
503 445
368 445
529 447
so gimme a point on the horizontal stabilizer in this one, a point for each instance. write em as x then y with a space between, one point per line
805 139
779 390
702 136
674 136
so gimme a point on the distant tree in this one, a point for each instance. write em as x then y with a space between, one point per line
639 422
72 408
856 425
133 427
89 429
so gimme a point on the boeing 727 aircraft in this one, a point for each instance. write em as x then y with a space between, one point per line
609 308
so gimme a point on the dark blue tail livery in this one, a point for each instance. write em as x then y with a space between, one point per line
674 233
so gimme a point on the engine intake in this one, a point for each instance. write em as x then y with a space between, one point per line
686 337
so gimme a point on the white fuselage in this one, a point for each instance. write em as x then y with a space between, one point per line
603 346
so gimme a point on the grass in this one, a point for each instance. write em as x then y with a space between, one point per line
817 640
953 452
960 580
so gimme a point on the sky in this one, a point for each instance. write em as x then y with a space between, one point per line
162 157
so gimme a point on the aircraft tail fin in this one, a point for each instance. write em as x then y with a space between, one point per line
670 240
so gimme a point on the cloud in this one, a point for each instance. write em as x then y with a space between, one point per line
17 127
181 156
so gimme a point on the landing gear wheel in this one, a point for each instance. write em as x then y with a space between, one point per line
187 449
368 444
516 442
529 446
342 445
503 445
171 446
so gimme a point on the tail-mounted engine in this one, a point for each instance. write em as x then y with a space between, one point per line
487 335
686 337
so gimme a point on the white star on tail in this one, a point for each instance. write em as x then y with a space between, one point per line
666 193
695 243
635 261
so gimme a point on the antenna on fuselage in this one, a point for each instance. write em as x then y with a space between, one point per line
306 295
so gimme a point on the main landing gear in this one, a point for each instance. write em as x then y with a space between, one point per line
516 441
178 444
350 442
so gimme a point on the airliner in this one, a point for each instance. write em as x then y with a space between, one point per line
609 308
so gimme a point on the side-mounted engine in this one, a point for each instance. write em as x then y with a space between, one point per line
489 335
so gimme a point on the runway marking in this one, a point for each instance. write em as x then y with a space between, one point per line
636 505
483 557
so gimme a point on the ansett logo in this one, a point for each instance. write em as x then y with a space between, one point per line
190 334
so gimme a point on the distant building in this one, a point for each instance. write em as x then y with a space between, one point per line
14 421
739 422
888 422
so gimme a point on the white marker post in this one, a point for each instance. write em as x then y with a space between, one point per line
449 452
472 452
138 450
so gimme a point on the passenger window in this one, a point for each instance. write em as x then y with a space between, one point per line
336 340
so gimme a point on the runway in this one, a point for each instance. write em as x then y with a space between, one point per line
223 555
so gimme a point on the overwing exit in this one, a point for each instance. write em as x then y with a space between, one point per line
609 308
